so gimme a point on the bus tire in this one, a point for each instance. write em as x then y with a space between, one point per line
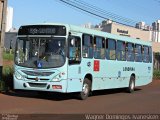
86 88
131 86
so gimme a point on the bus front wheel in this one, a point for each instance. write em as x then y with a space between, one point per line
131 86
86 88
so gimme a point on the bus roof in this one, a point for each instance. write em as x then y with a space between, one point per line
78 29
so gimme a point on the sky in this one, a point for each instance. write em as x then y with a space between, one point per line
40 11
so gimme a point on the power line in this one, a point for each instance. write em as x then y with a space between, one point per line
101 11
80 10
98 12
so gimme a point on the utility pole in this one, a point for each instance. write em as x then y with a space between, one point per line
3 10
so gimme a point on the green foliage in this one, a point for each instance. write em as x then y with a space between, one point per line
156 74
7 70
8 56
7 77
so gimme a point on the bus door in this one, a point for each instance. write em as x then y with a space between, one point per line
74 67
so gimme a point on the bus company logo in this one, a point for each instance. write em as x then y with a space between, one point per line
37 79
89 64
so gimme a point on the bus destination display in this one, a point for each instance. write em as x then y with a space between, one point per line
42 30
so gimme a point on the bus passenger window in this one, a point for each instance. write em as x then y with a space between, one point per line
145 54
87 46
130 51
150 54
120 51
99 48
74 50
110 49
138 53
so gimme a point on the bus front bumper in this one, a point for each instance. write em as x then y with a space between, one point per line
60 86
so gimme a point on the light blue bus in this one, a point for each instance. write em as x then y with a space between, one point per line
66 58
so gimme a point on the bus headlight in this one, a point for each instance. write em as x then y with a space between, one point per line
18 75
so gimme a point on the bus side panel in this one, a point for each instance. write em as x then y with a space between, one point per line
116 74
144 73
111 75
74 78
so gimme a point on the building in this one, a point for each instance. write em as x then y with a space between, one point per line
9 19
88 25
119 29
140 31
143 26
156 31
10 40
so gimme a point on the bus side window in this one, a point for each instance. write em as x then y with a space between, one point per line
145 54
74 50
87 46
99 48
130 51
138 53
150 54
120 51
110 49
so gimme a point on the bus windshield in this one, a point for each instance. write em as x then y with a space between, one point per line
40 52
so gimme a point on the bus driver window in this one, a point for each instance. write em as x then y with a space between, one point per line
74 50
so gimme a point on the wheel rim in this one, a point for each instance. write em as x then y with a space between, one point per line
85 89
132 85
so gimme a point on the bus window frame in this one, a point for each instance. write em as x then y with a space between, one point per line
144 53
138 52
103 47
92 43
107 48
120 50
133 51
150 54
73 62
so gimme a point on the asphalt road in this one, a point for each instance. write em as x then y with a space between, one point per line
145 100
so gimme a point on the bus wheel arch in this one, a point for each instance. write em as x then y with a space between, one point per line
131 86
86 87
90 78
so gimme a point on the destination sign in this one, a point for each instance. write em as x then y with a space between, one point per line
42 30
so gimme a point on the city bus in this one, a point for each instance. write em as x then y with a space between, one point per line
52 57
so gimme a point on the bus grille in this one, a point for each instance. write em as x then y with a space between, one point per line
33 73
39 85
42 79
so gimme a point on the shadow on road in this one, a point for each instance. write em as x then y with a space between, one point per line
41 95
62 96
112 91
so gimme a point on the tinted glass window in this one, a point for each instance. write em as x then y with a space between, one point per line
146 54
99 48
74 50
138 53
87 46
130 52
150 54
120 51
110 49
